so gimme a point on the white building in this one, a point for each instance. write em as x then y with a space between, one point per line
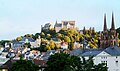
110 56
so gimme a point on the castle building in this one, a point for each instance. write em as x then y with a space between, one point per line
109 37
65 25
47 26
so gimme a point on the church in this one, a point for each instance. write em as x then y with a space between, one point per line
109 37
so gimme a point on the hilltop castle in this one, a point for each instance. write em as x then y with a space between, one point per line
65 25
109 37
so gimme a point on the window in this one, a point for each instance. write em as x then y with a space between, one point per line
103 57
101 61
104 62
116 62
106 57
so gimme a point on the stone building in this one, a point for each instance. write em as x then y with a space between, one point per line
65 25
109 37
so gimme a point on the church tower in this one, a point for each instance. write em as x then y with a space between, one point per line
105 25
109 38
112 23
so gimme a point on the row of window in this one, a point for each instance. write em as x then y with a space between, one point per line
116 63
106 57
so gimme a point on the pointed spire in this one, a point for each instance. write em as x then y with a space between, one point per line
105 25
84 28
112 24
56 22
41 28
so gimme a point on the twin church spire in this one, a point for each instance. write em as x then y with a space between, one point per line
112 23
109 38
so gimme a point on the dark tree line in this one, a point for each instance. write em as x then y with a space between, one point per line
66 62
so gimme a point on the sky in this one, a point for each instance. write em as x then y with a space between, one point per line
20 17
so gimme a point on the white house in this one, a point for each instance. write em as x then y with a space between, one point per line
110 56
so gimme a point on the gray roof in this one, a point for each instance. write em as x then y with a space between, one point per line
114 51
45 57
17 44
53 51
65 23
91 53
29 39
76 52
58 25
55 39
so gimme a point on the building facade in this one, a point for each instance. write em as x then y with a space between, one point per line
64 25
109 37
110 56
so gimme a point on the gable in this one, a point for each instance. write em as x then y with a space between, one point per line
103 53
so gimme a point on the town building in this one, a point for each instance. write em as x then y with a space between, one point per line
110 56
109 37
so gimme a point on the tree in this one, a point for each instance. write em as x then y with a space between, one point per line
57 46
118 31
67 39
28 35
48 47
62 62
36 36
62 31
28 45
52 44
2 42
48 36
19 38
71 45
24 65
77 38
119 42
42 35
65 62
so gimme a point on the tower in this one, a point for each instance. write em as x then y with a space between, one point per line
109 37
112 23
105 25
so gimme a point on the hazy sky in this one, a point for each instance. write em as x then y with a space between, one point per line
19 17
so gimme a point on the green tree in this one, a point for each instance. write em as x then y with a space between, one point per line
2 42
36 36
24 65
62 62
65 62
48 36
28 45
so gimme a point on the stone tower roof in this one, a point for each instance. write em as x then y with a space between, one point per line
112 24
105 25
